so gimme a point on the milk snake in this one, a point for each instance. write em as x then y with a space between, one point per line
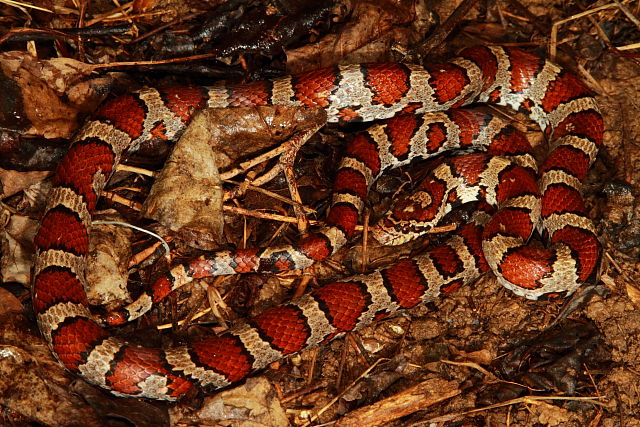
403 94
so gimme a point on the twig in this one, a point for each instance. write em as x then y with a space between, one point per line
295 395
343 392
629 46
628 13
154 62
127 168
136 15
20 5
167 25
123 201
120 10
441 33
553 42
287 160
301 289
417 398
470 365
291 146
530 16
146 253
263 215
525 399
365 239
288 219
229 195
274 236
183 321
135 227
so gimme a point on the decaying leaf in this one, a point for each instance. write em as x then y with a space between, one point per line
109 253
12 182
187 195
15 238
33 384
253 404
370 35
52 93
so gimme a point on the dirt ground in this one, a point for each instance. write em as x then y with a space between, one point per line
479 357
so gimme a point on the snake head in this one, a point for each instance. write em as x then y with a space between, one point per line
392 232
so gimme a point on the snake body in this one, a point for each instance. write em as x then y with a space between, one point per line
419 106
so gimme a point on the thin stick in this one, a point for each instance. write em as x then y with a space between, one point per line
268 193
442 31
292 143
183 321
146 253
302 220
155 62
629 46
136 15
120 10
263 215
135 227
165 26
136 206
365 238
553 42
291 146
283 218
628 13
20 4
343 392
525 399
127 168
